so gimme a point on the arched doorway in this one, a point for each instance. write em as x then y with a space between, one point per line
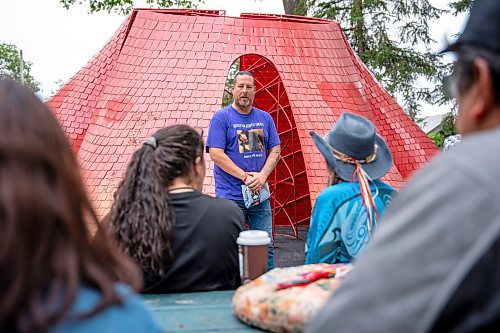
290 201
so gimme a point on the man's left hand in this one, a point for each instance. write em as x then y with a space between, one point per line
256 180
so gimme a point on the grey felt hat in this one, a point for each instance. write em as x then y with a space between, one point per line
356 137
483 27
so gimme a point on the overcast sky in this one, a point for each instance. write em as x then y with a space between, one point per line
60 42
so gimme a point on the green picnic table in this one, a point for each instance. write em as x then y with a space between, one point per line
196 312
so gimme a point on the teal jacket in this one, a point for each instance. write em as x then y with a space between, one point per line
338 230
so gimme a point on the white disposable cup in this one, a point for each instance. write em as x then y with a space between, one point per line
253 246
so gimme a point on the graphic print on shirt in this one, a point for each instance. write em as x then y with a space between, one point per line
250 140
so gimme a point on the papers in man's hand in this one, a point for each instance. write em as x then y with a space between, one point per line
254 198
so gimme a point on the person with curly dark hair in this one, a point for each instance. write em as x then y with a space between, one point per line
54 276
183 240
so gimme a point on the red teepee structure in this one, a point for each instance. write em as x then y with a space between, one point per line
170 66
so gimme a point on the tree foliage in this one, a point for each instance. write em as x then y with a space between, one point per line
392 38
227 97
295 7
10 66
125 6
386 35
59 84
461 6
447 129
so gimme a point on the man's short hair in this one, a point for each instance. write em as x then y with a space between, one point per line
465 72
239 73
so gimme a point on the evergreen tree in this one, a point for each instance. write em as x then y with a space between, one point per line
392 38
295 7
447 129
386 35
125 6
10 66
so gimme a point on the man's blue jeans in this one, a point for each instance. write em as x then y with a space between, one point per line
259 218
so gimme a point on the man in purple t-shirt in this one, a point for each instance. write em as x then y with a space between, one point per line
245 147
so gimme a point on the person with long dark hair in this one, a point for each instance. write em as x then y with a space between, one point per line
182 239
54 276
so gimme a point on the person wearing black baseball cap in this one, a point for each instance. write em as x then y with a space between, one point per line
434 263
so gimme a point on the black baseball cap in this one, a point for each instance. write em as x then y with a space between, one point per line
482 29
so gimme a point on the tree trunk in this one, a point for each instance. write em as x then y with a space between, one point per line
358 22
295 7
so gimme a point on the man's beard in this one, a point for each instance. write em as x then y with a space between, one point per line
241 105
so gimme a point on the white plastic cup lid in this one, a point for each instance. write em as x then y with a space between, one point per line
253 237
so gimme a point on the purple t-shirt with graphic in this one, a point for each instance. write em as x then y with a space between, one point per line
246 139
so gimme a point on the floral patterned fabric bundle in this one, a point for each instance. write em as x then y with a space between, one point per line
287 299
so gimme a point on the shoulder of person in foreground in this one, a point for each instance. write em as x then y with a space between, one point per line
132 316
428 232
225 208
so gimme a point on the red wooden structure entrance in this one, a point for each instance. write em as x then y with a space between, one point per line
164 67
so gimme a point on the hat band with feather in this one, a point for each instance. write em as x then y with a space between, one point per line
367 199
351 160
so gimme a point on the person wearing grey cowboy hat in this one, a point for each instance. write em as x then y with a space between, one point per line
354 137
349 208
434 264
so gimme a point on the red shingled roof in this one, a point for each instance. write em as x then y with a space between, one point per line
170 66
